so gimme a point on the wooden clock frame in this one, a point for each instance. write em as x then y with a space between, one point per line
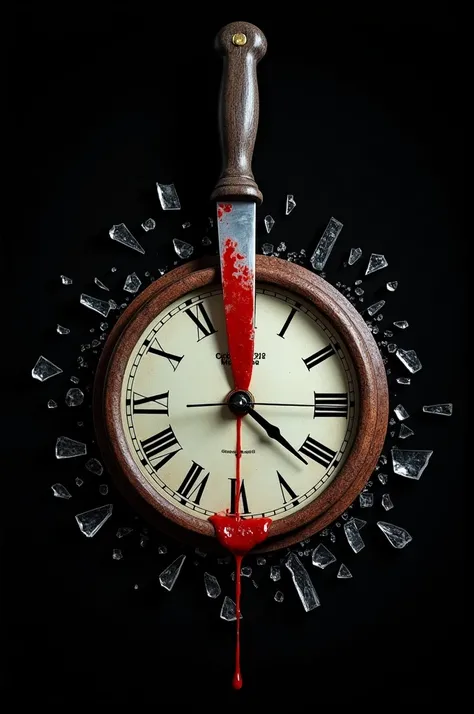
371 382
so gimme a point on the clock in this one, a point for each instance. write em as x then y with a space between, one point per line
163 404
243 402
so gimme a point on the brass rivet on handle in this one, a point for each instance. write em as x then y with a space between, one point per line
239 39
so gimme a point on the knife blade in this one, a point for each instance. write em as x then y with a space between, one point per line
242 45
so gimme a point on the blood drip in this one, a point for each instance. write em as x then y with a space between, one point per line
239 303
239 536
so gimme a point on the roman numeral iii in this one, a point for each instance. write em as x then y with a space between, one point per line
194 484
319 357
202 321
318 452
159 448
331 405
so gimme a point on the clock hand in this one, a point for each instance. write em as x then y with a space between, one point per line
274 433
253 404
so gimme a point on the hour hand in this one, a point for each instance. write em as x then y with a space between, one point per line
274 433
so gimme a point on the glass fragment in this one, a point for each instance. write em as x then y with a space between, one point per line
387 501
353 536
405 432
121 234
375 307
366 499
132 283
401 324
269 223
100 306
267 248
213 589
61 330
44 369
354 256
169 575
65 280
392 286
376 262
410 359
275 573
168 196
67 448
279 596
100 284
344 573
149 225
396 536
103 489
228 610
440 409
403 380
410 463
60 491
182 249
74 397
322 556
90 522
400 412
326 244
302 582
290 204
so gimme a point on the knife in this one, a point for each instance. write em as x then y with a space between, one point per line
236 193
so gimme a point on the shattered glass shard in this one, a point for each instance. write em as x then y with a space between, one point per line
182 249
410 463
246 571
275 573
228 610
405 432
206 241
60 491
67 448
376 262
44 369
149 225
74 397
366 499
269 223
401 324
187 224
326 244
124 531
375 307
322 556
213 589
396 536
52 404
100 284
359 291
353 536
290 204
279 596
400 412
281 247
440 409
403 380
354 255
359 523
90 522
121 234
78 481
75 380
392 286
168 197
162 550
302 582
103 489
410 359
100 306
65 280
132 283
261 561
117 554
392 348
267 248
169 575
62 330
383 478
113 305
344 573
387 501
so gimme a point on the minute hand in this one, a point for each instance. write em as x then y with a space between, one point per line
274 433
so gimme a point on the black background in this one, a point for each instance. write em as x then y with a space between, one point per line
359 120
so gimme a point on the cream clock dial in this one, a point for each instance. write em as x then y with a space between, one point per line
180 431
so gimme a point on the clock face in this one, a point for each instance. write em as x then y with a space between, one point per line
187 453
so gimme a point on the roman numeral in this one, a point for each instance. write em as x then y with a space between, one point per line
202 321
288 320
285 488
157 448
193 485
331 405
174 360
156 404
318 452
244 504
319 357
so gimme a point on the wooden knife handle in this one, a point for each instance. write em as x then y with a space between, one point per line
242 45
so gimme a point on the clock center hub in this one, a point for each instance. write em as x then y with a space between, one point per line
239 402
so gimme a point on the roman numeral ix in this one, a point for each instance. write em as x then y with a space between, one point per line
194 484
331 405
318 452
202 321
157 448
319 357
